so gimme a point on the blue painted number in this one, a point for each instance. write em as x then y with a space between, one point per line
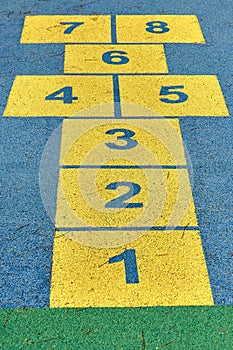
66 97
157 27
130 261
172 90
72 26
119 202
115 57
127 134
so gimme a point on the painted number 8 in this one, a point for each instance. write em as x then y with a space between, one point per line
157 27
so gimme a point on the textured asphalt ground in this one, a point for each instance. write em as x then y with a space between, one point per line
27 232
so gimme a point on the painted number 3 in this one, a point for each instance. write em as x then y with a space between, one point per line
157 27
126 137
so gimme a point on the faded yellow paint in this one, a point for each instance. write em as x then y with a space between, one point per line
47 29
205 96
171 268
141 59
159 142
27 97
182 29
166 196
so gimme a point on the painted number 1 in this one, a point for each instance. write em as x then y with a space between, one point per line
130 261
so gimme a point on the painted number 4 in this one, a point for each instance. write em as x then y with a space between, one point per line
65 94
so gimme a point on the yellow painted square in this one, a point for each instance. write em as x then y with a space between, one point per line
171 272
164 198
158 142
115 59
94 96
48 29
203 95
179 29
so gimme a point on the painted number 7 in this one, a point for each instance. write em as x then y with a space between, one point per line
72 26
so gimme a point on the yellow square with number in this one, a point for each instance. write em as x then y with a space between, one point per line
161 268
157 142
115 59
119 196
172 95
66 29
51 96
159 29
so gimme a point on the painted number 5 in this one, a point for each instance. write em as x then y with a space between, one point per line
180 96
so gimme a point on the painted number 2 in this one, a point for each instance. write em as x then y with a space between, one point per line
126 137
130 261
120 201
157 27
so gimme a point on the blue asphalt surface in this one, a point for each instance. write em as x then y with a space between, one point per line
26 229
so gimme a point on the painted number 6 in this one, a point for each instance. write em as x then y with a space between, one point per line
115 57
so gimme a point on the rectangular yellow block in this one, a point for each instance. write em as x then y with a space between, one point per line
159 29
173 95
124 197
115 59
170 265
66 29
41 96
154 142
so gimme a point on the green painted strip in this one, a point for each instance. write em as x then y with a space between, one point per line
175 328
